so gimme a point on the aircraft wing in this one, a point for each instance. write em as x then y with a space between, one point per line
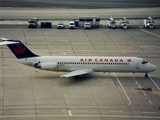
78 72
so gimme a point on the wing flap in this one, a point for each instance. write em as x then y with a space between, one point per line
77 72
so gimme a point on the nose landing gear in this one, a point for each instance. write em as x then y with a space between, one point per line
146 75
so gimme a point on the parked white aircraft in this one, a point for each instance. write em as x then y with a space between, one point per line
77 65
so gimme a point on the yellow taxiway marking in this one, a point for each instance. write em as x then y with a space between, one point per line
150 33
156 92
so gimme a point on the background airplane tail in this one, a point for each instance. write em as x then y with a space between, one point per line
18 49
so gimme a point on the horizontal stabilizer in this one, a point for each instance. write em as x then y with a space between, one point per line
78 72
4 38
8 42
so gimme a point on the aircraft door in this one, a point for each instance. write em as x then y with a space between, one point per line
137 66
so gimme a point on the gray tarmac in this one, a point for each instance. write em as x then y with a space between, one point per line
31 94
21 13
81 3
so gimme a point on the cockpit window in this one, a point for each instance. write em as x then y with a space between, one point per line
144 62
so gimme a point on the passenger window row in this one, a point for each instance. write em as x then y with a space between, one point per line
93 63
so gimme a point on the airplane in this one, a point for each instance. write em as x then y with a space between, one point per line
77 65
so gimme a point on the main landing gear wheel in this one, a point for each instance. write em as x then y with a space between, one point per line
146 75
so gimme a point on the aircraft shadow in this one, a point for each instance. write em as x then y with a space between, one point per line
88 77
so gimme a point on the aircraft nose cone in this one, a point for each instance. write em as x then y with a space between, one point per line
154 68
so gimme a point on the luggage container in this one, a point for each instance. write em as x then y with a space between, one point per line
46 25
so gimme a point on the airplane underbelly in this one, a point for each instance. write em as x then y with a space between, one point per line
112 68
119 68
97 68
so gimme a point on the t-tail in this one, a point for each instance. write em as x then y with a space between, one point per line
18 48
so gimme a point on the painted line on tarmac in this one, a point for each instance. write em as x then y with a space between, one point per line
116 111
141 88
69 112
154 82
150 102
147 112
87 116
150 33
123 89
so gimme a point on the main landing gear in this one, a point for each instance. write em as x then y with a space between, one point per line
146 75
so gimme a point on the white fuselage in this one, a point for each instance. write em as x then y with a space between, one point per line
77 65
98 64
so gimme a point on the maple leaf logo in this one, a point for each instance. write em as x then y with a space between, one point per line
19 50
129 60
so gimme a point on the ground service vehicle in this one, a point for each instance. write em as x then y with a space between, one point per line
33 22
93 20
124 23
71 25
60 25
149 23
111 23
87 25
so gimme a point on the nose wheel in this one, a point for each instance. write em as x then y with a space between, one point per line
146 75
